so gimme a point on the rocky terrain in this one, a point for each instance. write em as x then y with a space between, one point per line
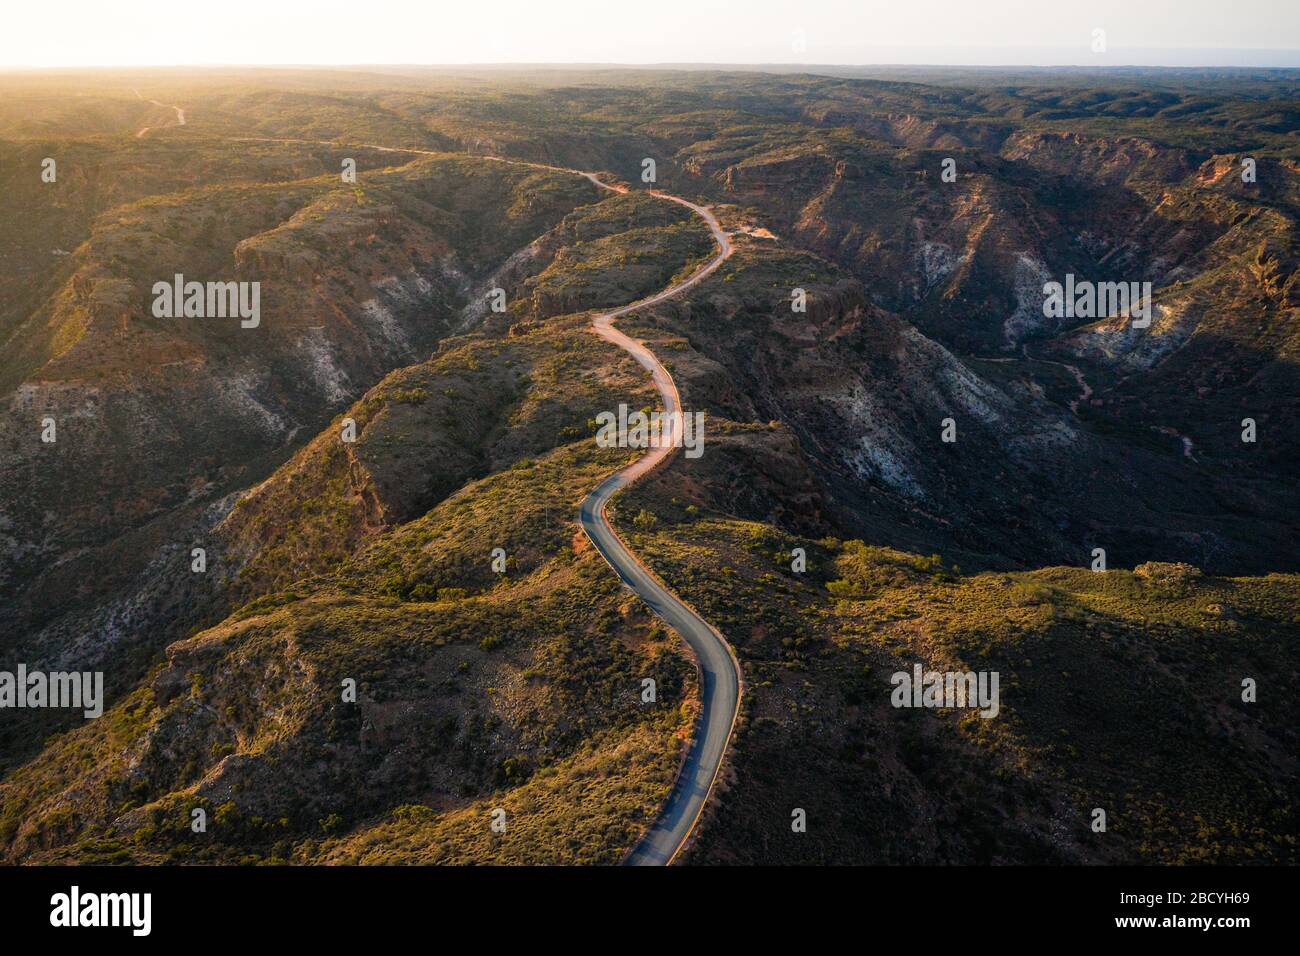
947 456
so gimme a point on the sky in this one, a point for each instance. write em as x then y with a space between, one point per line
75 33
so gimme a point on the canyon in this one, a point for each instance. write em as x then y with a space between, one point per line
476 431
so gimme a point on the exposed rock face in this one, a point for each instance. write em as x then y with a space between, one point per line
1105 162
918 444
244 718
923 400
174 414
964 262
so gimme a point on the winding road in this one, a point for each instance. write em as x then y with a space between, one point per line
180 114
719 670
720 678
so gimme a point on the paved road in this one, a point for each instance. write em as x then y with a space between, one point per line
719 671
720 681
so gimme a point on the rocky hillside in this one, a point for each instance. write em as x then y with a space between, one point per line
372 562
399 634
175 413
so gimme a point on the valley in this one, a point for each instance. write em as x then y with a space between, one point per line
944 457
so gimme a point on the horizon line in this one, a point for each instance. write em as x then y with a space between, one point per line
675 64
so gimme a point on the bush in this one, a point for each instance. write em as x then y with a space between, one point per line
414 813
